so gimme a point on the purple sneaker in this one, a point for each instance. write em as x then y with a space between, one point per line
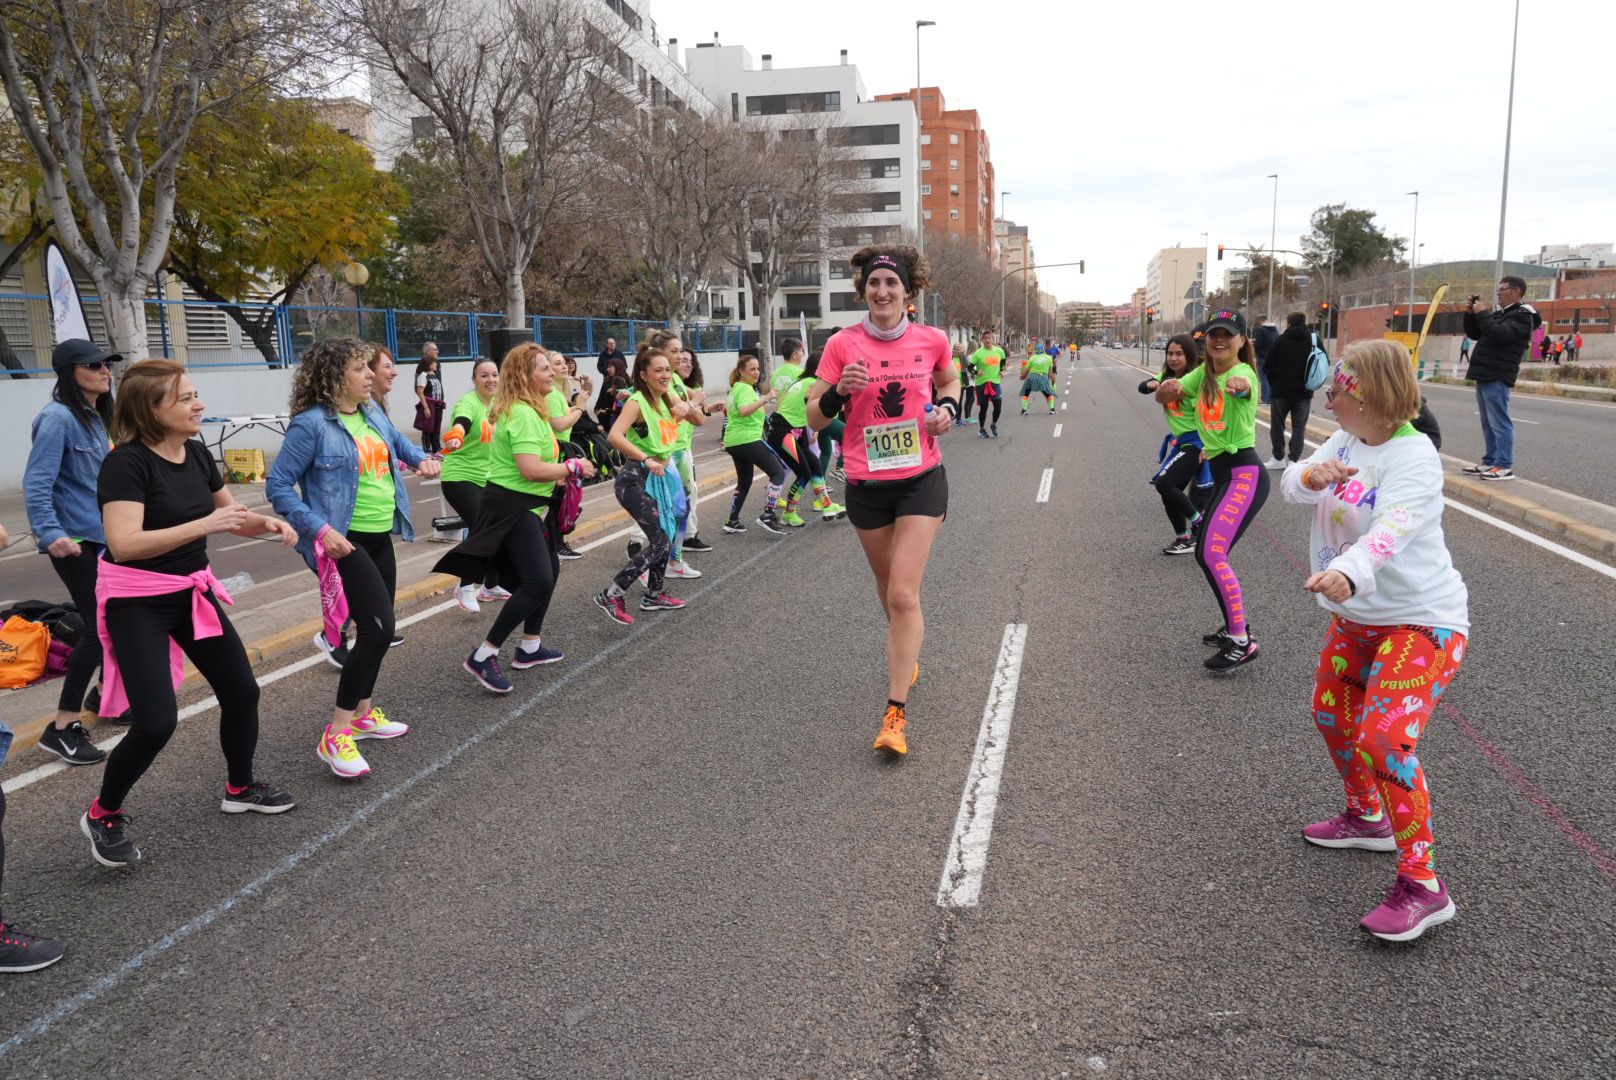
489 673
525 659
1409 910
1351 831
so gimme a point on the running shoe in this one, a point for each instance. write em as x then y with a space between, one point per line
732 526
792 519
337 750
891 738
769 523
1352 831
983 432
21 951
995 431
1181 545
614 607
565 552
71 744
375 725
259 798
1232 655
1498 472
466 597
335 656
1476 470
1051 408
833 512
682 570
1023 412
109 839
696 543
1409 910
529 658
837 473
488 672
660 602
634 548
1218 638
398 639
497 593
1277 463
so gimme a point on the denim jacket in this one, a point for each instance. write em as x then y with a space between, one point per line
320 458
59 481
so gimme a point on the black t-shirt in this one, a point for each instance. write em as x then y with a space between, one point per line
172 494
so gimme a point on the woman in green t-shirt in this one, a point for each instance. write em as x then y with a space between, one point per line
1226 417
524 466
645 433
743 440
683 460
465 468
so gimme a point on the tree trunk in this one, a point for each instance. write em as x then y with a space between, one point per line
260 331
124 311
515 300
9 358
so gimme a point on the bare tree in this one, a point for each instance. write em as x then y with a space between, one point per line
521 94
679 184
785 210
106 95
968 283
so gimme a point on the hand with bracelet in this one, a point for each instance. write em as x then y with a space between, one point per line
1324 475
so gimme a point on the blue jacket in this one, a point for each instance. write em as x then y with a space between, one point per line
320 458
59 481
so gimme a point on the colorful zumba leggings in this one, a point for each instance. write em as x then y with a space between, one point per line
1372 701
1239 489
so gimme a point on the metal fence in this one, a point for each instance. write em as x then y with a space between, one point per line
203 335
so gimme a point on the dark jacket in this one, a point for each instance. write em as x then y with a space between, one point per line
1502 338
612 363
1287 365
1263 338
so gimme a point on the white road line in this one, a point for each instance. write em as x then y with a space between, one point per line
33 776
1063 406
1043 485
961 883
1057 430
1513 419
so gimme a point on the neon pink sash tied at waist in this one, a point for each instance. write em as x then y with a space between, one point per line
122 583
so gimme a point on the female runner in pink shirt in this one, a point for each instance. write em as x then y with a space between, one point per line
885 372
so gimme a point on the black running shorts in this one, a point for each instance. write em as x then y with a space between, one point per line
875 506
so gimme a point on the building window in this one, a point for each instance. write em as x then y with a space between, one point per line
865 202
839 271
802 304
953 138
953 215
845 301
925 165
925 189
926 214
953 164
792 104
953 189
867 135
925 140
872 169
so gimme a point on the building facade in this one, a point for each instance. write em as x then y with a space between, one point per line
1574 256
956 169
1174 279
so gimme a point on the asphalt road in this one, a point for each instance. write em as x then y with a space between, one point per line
675 855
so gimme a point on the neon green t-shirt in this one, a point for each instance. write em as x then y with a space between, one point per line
741 430
1039 363
377 499
661 429
470 462
555 403
1230 422
988 364
794 403
686 429
521 431
784 376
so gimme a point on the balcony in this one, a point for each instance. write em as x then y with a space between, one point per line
802 277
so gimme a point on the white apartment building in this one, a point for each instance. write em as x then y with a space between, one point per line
1174 280
884 140
1574 256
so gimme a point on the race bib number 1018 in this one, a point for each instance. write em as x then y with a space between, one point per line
893 446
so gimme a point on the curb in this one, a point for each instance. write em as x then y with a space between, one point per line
25 734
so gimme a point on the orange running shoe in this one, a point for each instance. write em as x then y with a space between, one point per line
891 738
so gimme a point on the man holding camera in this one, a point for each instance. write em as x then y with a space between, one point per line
1502 337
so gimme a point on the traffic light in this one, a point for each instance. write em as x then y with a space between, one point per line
1150 315
911 313
1220 253
1324 307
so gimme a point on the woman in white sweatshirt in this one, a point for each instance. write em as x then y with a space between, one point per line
1380 566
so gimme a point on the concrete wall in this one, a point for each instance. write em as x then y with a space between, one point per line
249 391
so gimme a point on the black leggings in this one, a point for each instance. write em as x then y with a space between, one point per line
141 630
641 505
997 401
527 551
369 574
1239 489
467 499
804 464
749 456
967 400
78 573
1176 474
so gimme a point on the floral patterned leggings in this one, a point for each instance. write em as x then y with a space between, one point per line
1372 701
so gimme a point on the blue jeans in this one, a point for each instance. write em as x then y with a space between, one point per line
1492 401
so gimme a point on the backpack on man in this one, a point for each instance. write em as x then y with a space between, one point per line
1318 366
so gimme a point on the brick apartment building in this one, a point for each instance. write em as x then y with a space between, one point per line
956 169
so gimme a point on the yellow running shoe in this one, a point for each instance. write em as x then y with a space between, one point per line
891 738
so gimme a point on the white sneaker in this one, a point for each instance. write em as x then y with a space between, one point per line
494 595
338 751
466 597
375 725
682 570
1277 463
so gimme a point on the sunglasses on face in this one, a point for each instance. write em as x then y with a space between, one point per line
99 365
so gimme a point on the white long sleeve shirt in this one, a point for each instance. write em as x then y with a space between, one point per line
1383 529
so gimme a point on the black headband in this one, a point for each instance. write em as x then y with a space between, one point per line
887 262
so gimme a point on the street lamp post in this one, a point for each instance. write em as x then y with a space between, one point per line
1206 279
1509 126
920 117
1273 235
1005 217
1413 258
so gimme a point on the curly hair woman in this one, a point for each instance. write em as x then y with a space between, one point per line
884 372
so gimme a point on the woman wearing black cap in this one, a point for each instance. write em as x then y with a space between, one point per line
70 441
1226 416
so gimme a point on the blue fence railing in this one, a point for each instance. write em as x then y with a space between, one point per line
202 335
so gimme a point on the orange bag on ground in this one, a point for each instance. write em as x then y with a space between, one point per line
24 648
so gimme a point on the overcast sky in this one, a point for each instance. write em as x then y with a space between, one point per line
1121 128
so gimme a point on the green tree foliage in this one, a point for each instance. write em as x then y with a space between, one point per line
1350 240
267 194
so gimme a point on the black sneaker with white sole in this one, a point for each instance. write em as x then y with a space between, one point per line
1232 655
335 656
1499 472
1181 545
696 543
1475 470
72 744
109 839
771 524
259 798
733 526
566 552
398 639
1218 638
22 951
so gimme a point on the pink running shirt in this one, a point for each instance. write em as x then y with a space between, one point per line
886 435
